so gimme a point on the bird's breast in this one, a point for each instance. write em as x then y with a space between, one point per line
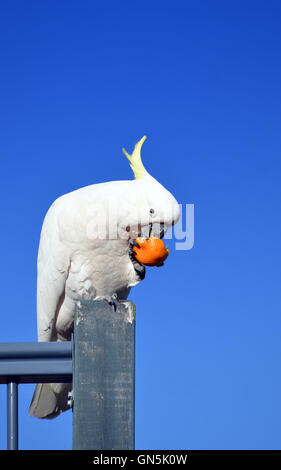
100 271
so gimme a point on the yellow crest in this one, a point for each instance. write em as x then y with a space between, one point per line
135 160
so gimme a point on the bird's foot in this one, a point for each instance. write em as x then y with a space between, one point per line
132 243
70 399
139 267
112 300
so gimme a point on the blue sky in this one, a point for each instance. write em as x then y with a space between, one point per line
80 80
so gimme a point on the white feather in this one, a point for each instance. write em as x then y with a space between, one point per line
75 265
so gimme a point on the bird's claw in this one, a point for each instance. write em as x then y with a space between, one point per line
70 399
113 301
139 268
132 243
132 252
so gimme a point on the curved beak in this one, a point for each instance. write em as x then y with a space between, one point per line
155 229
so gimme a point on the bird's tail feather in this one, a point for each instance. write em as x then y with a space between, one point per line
50 400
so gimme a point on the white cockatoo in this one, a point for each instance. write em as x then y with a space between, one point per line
85 252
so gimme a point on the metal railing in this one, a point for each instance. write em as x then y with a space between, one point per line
22 363
99 360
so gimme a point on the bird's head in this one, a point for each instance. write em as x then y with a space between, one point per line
150 208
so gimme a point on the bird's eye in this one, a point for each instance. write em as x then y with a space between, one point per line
151 211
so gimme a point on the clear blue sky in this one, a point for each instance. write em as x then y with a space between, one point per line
79 80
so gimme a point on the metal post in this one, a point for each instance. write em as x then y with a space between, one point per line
104 376
12 416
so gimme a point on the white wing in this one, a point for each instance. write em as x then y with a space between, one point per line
53 265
